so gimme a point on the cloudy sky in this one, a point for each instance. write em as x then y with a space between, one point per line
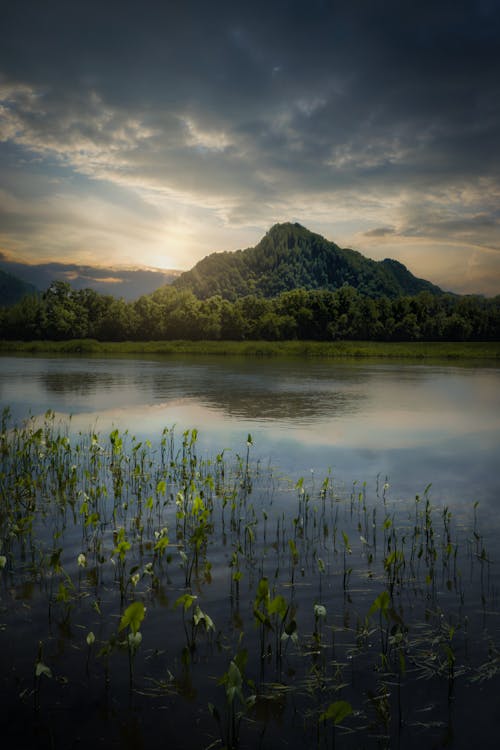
152 133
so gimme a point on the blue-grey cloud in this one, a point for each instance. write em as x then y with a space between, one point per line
129 283
242 114
380 232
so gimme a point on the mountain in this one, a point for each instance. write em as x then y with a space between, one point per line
13 289
129 283
290 256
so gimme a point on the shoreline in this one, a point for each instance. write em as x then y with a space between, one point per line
487 350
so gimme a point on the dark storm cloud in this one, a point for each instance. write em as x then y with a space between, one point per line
400 68
256 109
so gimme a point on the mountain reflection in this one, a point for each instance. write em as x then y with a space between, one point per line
81 383
415 424
240 390
279 406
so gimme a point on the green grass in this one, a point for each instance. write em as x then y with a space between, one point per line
337 349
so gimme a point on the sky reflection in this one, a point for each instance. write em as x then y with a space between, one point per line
413 424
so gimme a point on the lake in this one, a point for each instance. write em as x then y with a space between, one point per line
415 424
331 582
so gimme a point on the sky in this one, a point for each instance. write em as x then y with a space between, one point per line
153 133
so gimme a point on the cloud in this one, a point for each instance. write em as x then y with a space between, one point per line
202 124
380 232
129 283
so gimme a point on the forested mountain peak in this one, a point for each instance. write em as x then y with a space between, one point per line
289 256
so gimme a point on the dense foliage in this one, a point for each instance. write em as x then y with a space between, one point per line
293 285
170 313
292 257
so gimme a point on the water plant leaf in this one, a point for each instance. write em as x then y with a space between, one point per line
262 595
290 631
132 617
294 551
262 618
319 611
381 604
346 543
199 616
185 601
41 669
135 640
161 487
336 712
278 606
233 682
241 659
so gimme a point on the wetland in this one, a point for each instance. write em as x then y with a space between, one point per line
246 553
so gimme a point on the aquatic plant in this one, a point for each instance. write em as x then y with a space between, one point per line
345 600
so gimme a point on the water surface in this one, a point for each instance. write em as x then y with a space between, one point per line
406 425
415 424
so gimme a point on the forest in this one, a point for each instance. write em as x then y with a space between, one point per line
170 313
291 257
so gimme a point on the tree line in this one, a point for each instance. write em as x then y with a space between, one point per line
62 313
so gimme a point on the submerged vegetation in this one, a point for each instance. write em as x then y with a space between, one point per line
149 591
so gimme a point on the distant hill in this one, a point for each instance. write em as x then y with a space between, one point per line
129 283
289 256
13 289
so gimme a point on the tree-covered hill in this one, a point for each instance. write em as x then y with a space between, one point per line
291 257
292 285
13 289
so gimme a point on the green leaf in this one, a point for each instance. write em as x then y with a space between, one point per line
278 606
132 617
42 668
262 591
381 604
336 712
294 551
241 660
346 543
185 601
199 616
233 682
262 618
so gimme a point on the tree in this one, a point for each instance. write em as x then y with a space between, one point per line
62 317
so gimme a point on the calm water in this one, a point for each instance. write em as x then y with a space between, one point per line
411 425
415 424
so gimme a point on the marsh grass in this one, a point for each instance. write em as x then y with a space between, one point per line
422 350
230 607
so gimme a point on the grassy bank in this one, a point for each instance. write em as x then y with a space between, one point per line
397 350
